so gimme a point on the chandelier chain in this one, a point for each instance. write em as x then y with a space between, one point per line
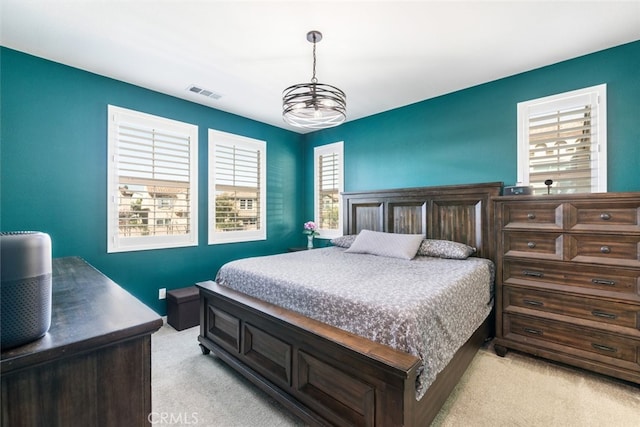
314 79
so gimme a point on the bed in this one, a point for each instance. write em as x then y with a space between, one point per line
330 373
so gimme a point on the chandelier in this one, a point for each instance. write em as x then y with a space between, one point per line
314 105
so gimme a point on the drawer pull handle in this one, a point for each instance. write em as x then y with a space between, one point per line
533 273
605 216
604 348
531 215
532 245
532 331
603 314
603 282
605 249
534 303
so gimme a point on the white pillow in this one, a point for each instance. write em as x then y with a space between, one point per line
391 245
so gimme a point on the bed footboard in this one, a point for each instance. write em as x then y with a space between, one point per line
324 375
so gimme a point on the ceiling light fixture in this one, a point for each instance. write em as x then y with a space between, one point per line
314 105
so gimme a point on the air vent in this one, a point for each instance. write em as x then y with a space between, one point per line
204 92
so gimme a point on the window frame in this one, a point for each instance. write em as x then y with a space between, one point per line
597 97
117 243
217 237
323 150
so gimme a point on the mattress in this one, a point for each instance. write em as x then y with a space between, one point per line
428 307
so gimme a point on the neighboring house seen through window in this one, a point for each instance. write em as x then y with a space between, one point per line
563 138
328 168
237 188
152 182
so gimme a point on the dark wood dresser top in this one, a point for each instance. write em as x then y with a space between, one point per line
88 311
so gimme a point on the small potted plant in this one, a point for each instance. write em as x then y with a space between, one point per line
311 230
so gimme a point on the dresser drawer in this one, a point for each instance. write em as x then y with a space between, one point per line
602 216
541 216
600 344
604 249
614 313
533 245
620 282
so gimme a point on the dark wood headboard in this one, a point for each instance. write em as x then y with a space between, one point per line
461 213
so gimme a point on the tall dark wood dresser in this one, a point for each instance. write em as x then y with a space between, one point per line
568 280
93 367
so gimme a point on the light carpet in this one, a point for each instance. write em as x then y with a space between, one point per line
189 388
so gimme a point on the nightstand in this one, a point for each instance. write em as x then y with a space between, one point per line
298 248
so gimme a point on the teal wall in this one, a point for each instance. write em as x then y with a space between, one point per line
470 136
54 173
53 155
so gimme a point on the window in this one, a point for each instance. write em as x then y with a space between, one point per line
237 188
564 138
328 182
152 182
246 204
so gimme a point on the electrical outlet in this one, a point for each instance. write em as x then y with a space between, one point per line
162 293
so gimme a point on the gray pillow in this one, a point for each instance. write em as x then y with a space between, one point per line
391 245
445 249
344 241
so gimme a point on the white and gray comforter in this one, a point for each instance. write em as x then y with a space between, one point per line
426 306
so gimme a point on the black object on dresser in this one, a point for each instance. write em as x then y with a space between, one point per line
93 367
25 287
568 280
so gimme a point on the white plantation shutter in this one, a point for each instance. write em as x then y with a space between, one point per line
563 139
237 188
328 168
328 191
237 172
152 182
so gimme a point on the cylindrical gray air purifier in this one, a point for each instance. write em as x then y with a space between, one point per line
25 293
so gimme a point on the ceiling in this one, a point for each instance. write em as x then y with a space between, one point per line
383 54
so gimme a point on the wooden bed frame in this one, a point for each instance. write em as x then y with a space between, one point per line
327 376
